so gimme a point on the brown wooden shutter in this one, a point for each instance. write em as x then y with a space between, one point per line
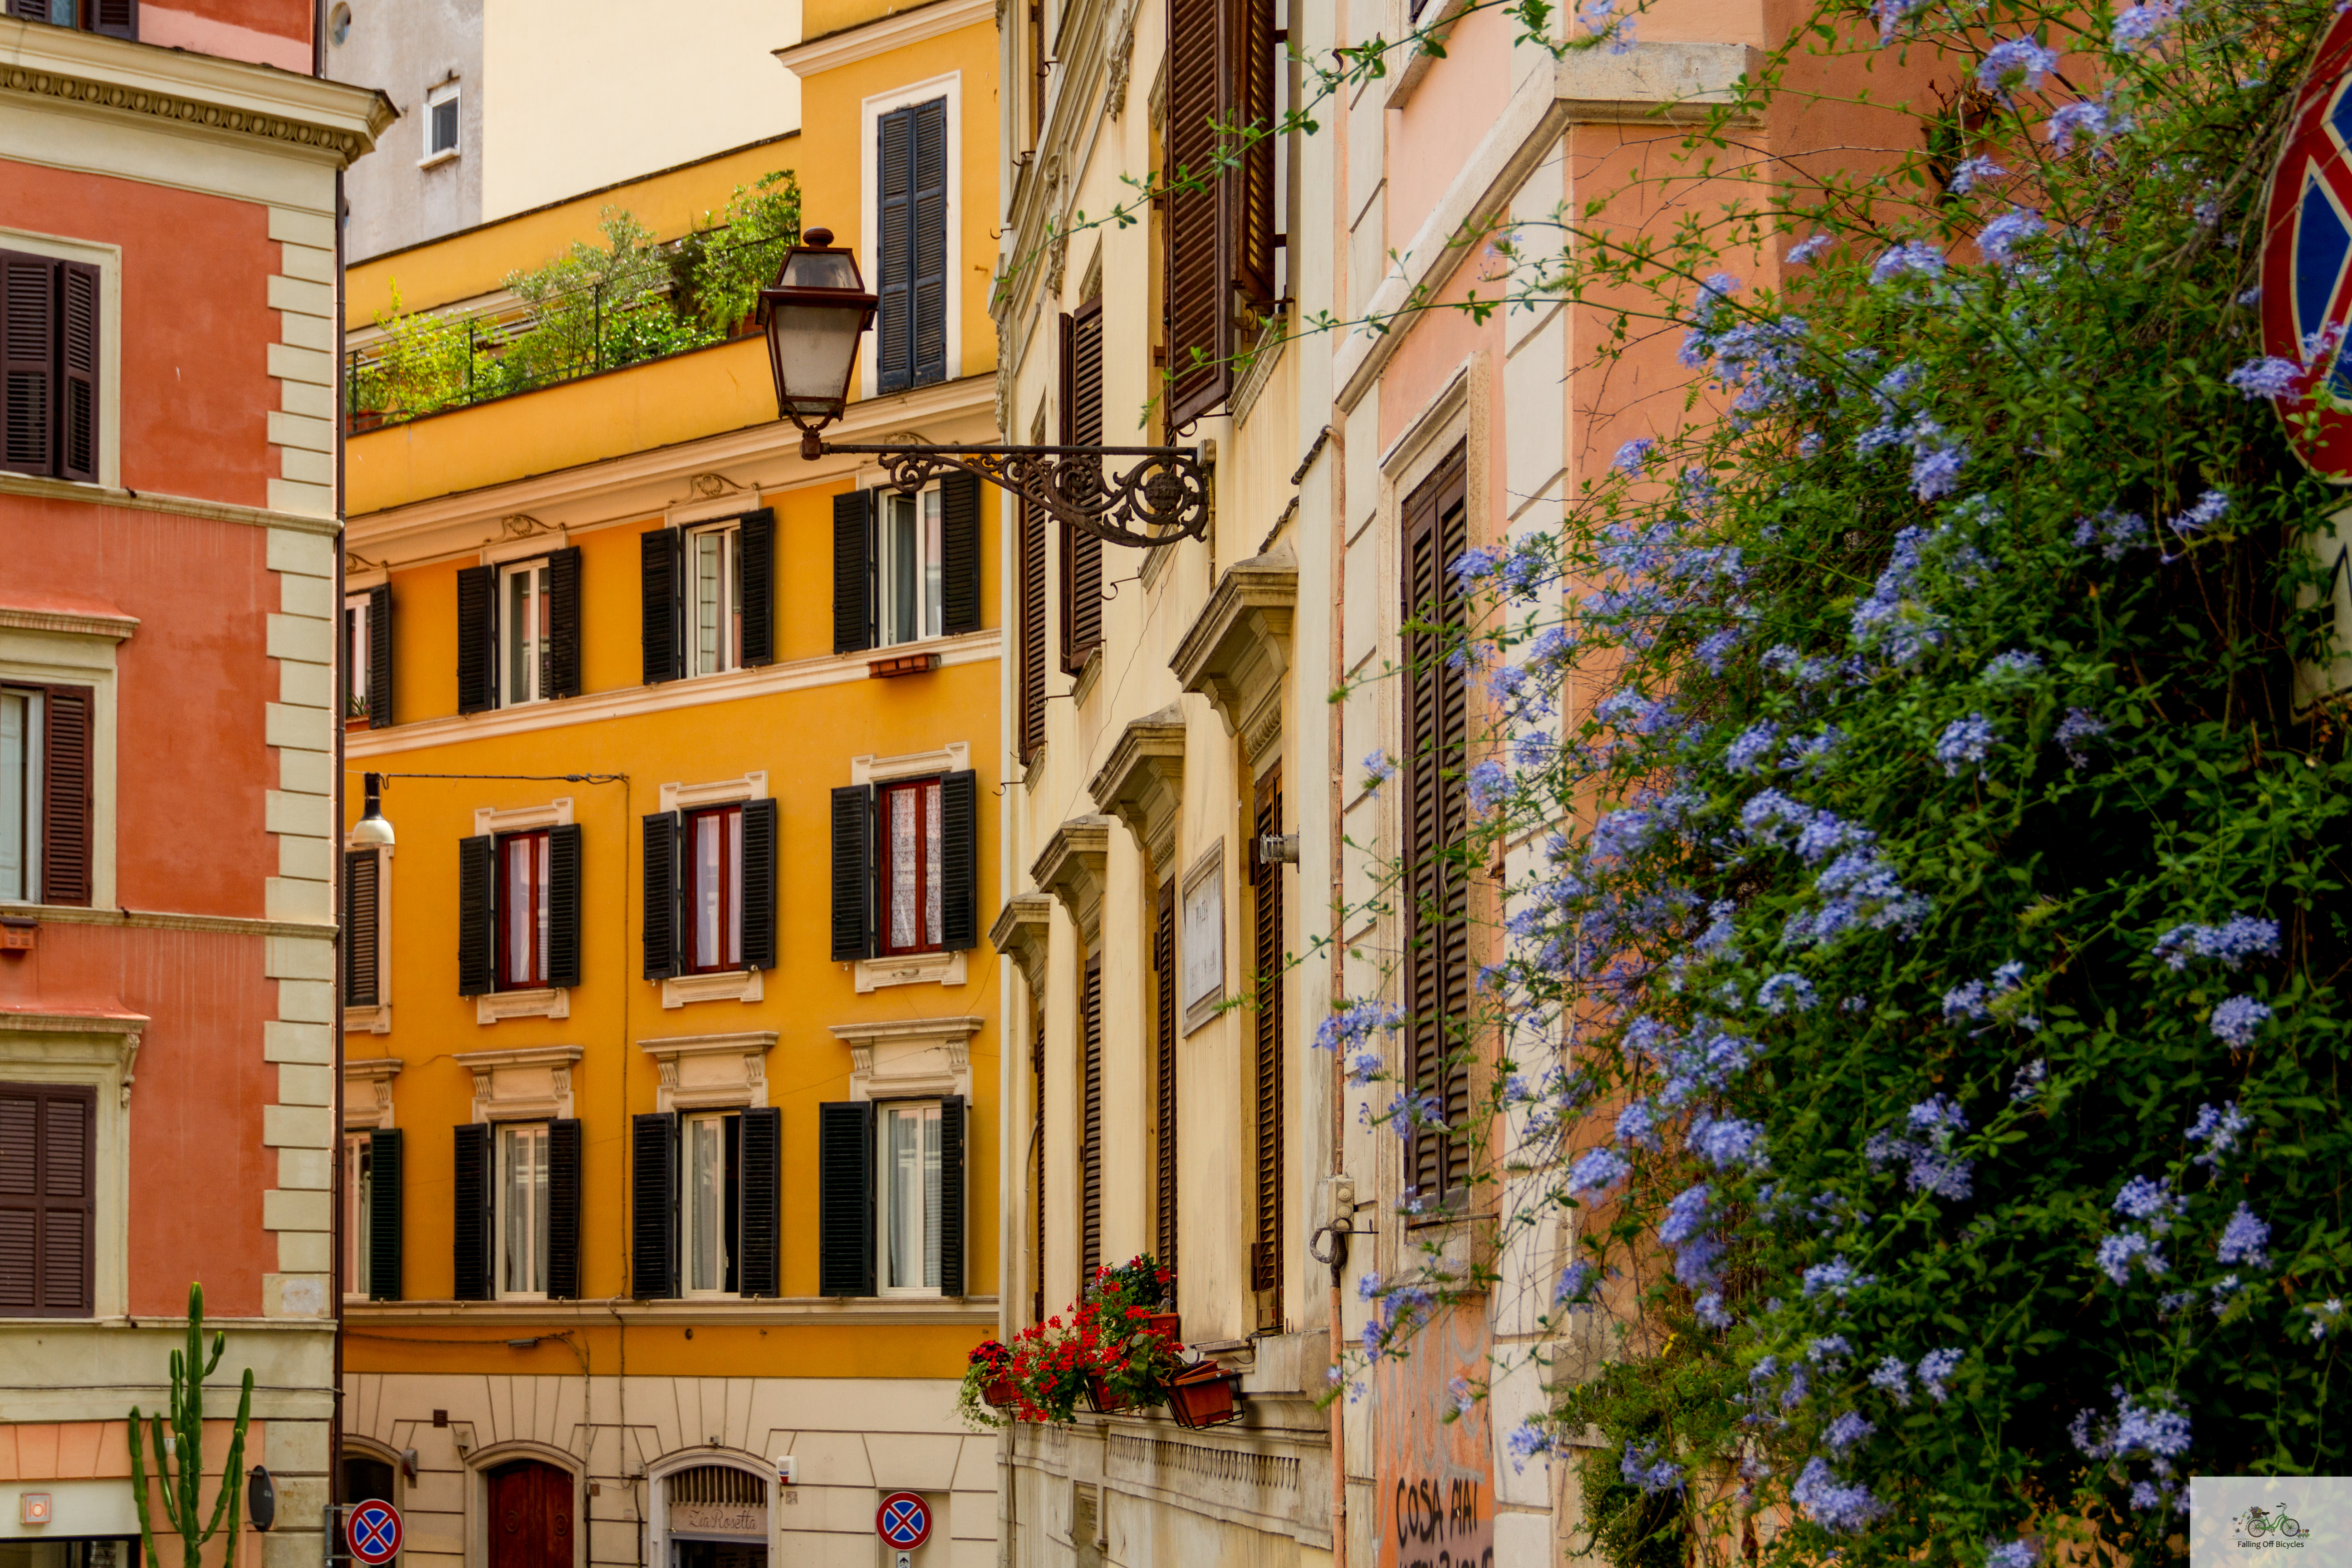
1246 209
1265 901
1090 1111
28 322
1033 631
362 964
48 1200
1436 810
1037 1159
77 370
1193 335
116 18
1163 970
69 714
1081 363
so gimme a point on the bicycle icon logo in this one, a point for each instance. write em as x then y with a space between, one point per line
2260 1521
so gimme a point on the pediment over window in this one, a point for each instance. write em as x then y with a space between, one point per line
702 1072
1022 932
528 1083
1072 868
1142 785
909 1058
1239 646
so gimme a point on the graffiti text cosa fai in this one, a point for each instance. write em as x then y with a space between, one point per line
1441 1523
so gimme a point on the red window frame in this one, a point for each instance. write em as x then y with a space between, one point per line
729 820
526 971
929 818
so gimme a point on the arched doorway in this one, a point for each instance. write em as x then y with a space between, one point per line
716 1517
530 1515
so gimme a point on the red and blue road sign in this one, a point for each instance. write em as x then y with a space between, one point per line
374 1532
2307 252
903 1522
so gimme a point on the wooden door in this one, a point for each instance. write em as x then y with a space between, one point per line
531 1515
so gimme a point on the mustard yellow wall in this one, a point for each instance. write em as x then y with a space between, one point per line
666 1351
820 18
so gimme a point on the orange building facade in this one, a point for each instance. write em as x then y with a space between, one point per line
168 745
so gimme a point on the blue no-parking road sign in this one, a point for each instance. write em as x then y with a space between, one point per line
374 1532
904 1520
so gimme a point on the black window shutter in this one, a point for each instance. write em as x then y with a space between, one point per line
757 892
661 831
657 551
563 904
853 872
563 623
959 554
477 599
760 1232
952 1138
852 571
470 1227
361 903
563 1210
960 860
118 18
477 927
378 635
894 348
653 1241
926 222
845 1197
78 371
384 1214
28 362
756 539
67 715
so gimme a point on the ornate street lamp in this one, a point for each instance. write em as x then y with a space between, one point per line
817 313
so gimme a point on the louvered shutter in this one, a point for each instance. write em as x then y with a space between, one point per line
952 1125
853 872
362 907
852 571
894 260
563 623
383 1214
28 362
1194 302
759 1249
78 371
1033 631
563 1210
477 600
1037 1158
1436 811
471 1231
563 904
662 830
959 861
926 222
1163 970
1267 1179
757 887
755 540
1090 1123
845 1197
117 18
29 10
659 577
1081 426
1246 207
653 1236
68 718
378 636
959 554
20 1206
477 929
48 1200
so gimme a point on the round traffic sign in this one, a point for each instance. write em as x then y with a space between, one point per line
374 1532
904 1520
2306 293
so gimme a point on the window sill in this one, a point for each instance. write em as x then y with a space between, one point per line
725 985
493 1005
436 160
910 969
368 1020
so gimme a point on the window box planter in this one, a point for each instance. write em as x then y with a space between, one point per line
1205 1395
1000 1393
1103 1400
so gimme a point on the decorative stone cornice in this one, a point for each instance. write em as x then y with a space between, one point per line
367 1090
1072 868
200 91
1021 932
865 40
1239 646
902 1059
1142 783
698 1072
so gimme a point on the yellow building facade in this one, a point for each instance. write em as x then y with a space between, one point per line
670 1054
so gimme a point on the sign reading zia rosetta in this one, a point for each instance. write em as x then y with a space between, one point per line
2306 303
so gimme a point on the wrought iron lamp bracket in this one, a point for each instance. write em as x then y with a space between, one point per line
1159 500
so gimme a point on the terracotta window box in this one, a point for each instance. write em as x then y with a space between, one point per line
905 664
1001 1392
1205 1395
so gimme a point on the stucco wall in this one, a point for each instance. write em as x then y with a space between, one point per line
409 48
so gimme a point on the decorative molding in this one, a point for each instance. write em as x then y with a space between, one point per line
1257 371
1237 649
1142 783
153 920
1022 931
1072 868
909 969
909 1058
490 820
1122 58
176 506
723 792
36 1036
522 525
519 1085
846 46
375 1020
725 985
954 757
491 1006
699 1072
367 1092
977 1312
114 627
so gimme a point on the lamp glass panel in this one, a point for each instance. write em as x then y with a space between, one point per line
820 270
815 348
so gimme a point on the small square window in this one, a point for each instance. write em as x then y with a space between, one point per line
909 610
441 122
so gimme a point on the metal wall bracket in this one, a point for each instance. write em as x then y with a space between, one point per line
1159 500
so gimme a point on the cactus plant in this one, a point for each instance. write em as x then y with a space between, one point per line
186 1443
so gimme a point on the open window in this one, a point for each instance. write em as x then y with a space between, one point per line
517 1197
891 1197
708 596
906 568
706 1202
366 688
45 794
518 632
372 1230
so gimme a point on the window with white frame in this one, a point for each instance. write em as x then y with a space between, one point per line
441 122
355 655
714 889
909 607
357 1211
710 1159
20 795
523 607
714 596
522 1210
911 1197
